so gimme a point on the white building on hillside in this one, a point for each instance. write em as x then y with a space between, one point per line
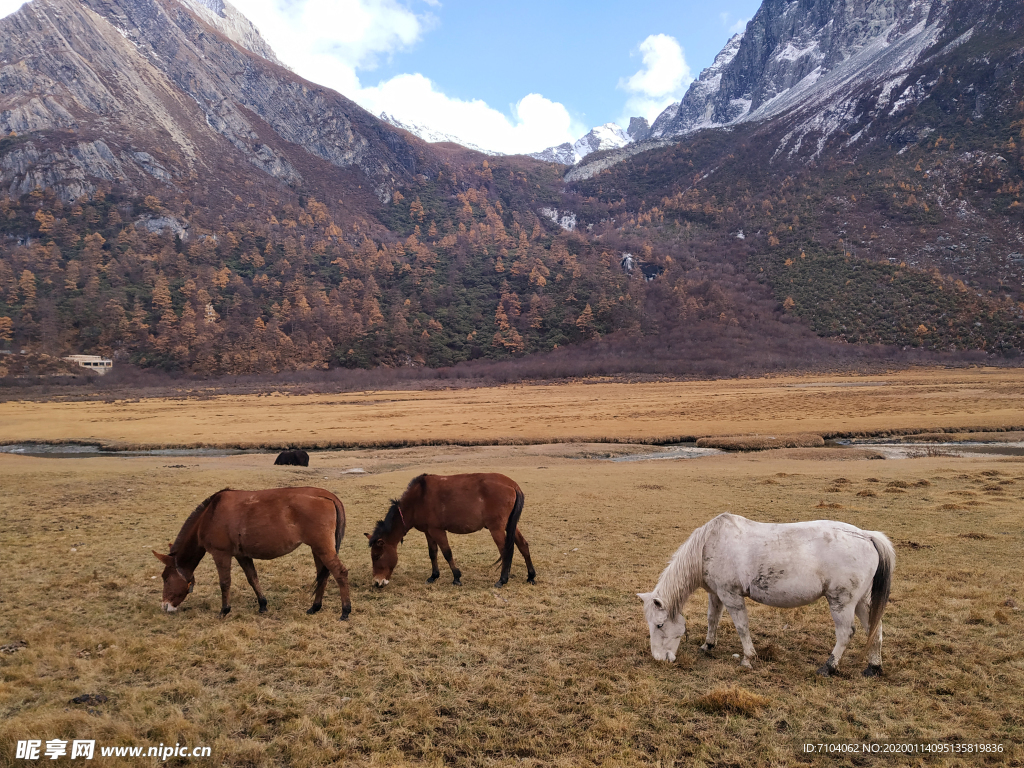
93 362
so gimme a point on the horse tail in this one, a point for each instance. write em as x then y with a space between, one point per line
882 581
510 532
339 524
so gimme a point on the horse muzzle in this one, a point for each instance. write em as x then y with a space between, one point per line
381 582
167 607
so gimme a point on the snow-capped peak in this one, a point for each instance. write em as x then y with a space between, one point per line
432 135
607 136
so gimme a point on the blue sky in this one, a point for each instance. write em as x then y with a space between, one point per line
507 76
574 53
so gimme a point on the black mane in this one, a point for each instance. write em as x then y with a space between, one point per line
186 527
385 526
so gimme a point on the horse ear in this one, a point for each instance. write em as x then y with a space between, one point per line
165 559
645 596
366 535
657 602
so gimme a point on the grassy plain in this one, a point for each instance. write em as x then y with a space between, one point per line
557 674
922 399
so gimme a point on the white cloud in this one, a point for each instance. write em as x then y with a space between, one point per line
336 42
536 121
663 79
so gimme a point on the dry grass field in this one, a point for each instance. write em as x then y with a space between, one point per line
557 674
924 399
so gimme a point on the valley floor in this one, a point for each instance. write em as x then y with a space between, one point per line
588 410
556 674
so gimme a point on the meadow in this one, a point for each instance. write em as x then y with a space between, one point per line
556 674
586 410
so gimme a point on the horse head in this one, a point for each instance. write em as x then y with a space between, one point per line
178 583
666 630
384 558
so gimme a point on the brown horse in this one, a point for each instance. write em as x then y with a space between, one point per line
436 505
262 525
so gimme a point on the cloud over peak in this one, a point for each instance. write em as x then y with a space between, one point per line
663 79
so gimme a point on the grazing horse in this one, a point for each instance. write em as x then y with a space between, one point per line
782 565
294 457
261 525
436 505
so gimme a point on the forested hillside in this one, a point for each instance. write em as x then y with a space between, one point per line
757 246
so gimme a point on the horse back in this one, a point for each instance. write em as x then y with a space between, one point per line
270 523
463 503
790 564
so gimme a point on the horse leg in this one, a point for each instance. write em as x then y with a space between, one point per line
874 667
715 607
498 534
254 581
524 550
432 547
223 562
738 612
441 537
842 615
319 585
340 573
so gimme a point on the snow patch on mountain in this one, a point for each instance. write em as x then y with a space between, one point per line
607 136
814 61
432 135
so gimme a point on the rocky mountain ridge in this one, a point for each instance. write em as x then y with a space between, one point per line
815 57
151 93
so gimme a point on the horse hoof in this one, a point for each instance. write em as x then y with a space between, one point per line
225 611
345 611
531 580
313 609
432 579
706 649
873 670
457 582
825 670
499 583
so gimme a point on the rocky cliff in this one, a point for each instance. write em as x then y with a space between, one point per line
154 92
809 55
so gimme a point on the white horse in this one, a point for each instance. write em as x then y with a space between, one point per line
783 565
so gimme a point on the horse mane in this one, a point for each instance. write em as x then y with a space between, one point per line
684 573
385 526
190 521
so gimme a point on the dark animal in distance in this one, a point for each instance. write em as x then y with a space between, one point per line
294 457
260 525
438 505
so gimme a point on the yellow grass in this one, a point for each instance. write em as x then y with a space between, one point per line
557 674
916 400
761 442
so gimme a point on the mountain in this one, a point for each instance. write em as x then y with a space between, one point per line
432 135
607 136
862 161
817 57
842 186
152 94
